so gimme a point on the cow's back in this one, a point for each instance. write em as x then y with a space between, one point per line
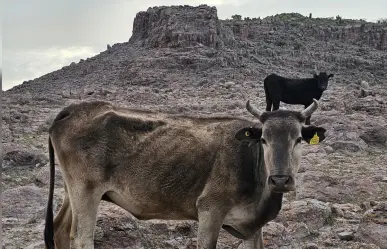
272 79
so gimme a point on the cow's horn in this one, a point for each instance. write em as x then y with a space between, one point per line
253 110
310 109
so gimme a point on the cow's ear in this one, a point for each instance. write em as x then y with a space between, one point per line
313 134
331 75
248 134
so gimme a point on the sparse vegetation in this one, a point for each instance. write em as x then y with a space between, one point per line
382 20
339 19
236 17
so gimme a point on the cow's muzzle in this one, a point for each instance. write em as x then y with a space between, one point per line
281 183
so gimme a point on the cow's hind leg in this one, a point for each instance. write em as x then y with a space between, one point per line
84 205
62 225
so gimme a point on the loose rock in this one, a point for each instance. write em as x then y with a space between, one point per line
311 246
346 236
311 212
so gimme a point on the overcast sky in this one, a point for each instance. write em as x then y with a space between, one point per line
40 36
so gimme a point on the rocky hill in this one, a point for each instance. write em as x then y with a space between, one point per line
184 59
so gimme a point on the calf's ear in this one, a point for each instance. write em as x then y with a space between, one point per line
248 134
330 76
309 132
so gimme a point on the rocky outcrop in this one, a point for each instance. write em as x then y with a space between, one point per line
181 26
355 32
178 26
374 35
373 225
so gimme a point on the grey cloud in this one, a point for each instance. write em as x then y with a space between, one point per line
27 65
45 23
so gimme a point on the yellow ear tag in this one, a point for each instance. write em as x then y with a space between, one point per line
315 139
247 134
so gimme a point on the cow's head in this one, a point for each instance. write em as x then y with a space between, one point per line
322 80
281 135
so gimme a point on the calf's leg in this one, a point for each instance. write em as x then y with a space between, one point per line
268 104
269 101
276 105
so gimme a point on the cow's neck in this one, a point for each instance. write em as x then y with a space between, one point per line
268 208
269 203
263 205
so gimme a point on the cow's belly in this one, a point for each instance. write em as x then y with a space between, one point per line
293 99
148 209
164 185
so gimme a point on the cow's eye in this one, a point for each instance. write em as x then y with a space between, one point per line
263 141
298 140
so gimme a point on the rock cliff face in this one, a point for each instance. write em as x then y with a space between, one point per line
357 33
185 60
373 35
180 26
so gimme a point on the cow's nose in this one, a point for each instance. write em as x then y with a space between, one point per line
279 180
282 183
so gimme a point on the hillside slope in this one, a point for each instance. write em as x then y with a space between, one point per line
184 59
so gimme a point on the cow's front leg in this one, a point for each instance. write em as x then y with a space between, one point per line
211 214
255 242
210 223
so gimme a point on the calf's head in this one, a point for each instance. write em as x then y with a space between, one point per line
322 80
281 135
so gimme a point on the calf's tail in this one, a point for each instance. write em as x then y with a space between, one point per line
49 226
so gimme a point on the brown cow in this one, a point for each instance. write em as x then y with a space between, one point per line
224 172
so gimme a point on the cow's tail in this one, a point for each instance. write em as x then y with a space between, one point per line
49 226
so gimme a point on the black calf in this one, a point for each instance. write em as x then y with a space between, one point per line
294 91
